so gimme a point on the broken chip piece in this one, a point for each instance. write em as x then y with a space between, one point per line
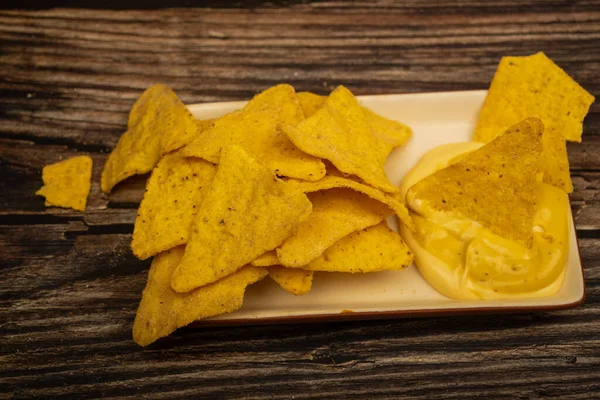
295 281
162 310
67 183
158 117
339 132
246 212
336 213
257 128
501 173
172 198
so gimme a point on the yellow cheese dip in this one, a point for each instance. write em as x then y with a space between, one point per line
464 260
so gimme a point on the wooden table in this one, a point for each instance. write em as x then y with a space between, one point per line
70 285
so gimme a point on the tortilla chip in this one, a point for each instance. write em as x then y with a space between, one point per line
163 310
157 117
266 260
67 183
246 212
335 179
257 128
383 128
495 185
171 201
392 132
377 248
336 213
340 132
310 103
555 162
174 139
534 86
294 281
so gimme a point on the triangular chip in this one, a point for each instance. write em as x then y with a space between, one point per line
157 117
67 183
494 186
534 86
392 132
340 133
386 129
172 199
176 139
377 248
336 213
310 103
163 310
257 128
294 281
246 212
334 179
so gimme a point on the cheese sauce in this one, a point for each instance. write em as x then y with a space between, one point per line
464 260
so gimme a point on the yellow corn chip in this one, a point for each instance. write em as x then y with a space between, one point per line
391 131
534 86
336 213
266 260
334 179
377 248
67 183
171 201
257 128
177 139
163 310
294 281
340 133
157 117
310 103
246 212
495 185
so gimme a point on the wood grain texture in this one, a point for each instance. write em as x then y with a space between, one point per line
70 285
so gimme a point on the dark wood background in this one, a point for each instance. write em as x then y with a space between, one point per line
69 285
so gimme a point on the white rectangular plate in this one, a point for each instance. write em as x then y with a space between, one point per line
435 118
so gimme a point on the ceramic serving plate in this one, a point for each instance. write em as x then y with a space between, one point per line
435 118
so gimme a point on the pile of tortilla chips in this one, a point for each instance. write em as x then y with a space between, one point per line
286 186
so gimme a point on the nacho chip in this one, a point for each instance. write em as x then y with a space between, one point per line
310 103
246 212
335 179
163 310
392 132
257 128
177 139
157 117
294 281
534 86
172 199
336 213
267 259
386 129
377 248
495 185
340 133
67 183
